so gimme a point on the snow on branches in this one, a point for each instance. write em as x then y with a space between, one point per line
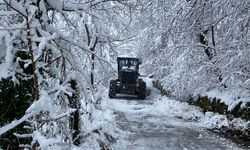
63 48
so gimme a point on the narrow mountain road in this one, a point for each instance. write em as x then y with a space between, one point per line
148 130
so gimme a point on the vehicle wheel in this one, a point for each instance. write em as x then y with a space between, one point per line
142 90
112 89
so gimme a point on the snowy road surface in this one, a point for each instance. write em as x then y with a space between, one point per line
147 128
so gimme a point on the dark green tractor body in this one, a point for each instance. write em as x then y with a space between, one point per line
128 81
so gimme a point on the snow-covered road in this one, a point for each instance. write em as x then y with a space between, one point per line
147 127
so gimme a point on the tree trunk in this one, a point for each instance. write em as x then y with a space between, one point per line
36 87
213 39
92 49
93 62
75 118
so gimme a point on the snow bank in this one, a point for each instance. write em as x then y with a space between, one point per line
212 120
183 110
172 108
230 98
176 108
149 81
101 125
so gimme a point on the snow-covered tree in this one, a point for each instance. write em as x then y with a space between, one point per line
63 45
197 46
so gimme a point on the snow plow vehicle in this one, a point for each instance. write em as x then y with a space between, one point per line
128 81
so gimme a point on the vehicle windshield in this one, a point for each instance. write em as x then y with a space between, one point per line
132 63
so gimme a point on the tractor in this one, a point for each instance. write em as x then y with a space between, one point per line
128 81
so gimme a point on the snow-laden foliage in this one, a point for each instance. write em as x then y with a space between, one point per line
68 46
195 47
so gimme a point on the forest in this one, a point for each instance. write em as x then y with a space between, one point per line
58 56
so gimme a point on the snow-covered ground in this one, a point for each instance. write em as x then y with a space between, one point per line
152 124
162 123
